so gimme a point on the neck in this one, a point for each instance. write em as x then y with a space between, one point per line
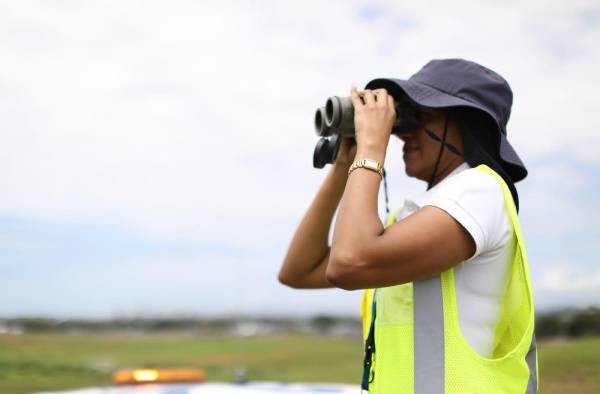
445 169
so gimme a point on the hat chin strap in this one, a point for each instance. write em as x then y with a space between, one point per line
442 146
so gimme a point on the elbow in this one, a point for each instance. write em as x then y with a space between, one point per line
291 280
344 271
286 280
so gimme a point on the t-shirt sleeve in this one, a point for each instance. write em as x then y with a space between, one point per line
474 199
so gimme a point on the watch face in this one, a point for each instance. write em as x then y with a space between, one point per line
372 163
368 164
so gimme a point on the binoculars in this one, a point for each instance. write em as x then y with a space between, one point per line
336 120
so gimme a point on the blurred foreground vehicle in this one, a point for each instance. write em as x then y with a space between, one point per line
191 381
220 388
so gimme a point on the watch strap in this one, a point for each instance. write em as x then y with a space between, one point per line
368 164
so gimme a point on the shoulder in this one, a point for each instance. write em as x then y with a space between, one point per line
470 183
472 188
475 199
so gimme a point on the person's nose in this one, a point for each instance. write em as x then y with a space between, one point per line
405 134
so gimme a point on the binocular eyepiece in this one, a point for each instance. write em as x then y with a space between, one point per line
336 117
336 120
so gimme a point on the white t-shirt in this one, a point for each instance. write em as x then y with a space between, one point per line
475 199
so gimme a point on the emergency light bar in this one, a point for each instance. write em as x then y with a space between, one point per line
162 375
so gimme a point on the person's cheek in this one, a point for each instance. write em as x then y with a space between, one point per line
426 151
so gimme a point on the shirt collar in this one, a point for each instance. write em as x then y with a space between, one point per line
426 195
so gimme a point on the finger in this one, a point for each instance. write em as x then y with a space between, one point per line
348 142
381 96
355 97
390 102
369 97
392 106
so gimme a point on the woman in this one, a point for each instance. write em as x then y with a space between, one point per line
452 310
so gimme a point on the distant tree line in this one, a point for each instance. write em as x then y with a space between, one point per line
568 323
571 323
323 325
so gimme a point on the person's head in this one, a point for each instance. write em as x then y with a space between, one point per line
454 85
422 145
466 134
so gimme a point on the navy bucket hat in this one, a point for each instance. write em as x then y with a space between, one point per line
461 83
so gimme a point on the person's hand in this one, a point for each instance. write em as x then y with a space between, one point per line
347 152
374 116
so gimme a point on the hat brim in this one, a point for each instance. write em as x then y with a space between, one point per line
420 93
512 162
427 96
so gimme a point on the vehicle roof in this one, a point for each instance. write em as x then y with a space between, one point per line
220 388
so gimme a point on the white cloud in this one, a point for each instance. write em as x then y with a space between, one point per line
172 285
126 104
557 199
14 242
559 279
193 121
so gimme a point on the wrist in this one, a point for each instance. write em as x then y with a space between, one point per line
368 164
340 169
343 163
376 154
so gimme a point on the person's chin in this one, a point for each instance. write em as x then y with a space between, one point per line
410 172
410 169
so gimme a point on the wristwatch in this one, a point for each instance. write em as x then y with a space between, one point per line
368 164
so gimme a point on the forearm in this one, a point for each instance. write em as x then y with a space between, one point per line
358 224
309 247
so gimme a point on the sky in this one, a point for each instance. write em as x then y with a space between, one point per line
156 157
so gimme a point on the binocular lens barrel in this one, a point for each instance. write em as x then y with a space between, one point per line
336 117
339 112
336 120
320 124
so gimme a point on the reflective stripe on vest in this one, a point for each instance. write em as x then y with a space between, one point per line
429 335
419 346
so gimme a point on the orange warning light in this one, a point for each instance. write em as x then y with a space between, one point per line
161 375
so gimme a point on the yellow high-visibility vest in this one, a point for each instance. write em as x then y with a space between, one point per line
419 347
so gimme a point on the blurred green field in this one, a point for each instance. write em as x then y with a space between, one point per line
30 363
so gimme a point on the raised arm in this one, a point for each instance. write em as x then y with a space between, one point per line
364 253
306 261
